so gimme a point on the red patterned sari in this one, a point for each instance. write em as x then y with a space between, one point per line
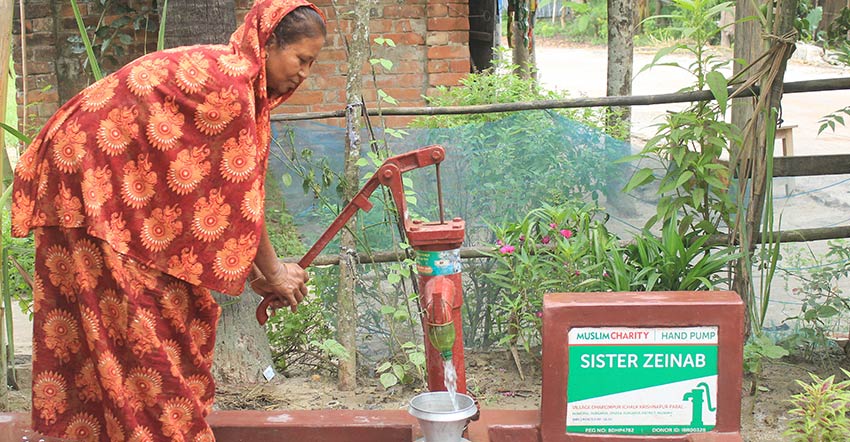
145 192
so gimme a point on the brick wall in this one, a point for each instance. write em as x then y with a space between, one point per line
431 39
56 67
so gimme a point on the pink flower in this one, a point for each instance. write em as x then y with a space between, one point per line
605 274
539 314
546 239
567 233
507 250
521 238
499 242
553 225
578 273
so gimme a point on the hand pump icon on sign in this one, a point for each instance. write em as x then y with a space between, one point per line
696 397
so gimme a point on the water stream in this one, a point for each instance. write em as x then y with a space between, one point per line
450 381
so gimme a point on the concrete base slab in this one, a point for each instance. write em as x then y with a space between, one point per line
325 425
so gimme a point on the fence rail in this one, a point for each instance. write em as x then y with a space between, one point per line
828 84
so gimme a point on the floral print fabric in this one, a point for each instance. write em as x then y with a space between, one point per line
165 158
145 191
121 351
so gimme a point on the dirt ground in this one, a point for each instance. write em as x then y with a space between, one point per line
493 379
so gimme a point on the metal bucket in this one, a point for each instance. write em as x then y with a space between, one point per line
438 419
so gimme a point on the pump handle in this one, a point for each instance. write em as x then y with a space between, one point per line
389 174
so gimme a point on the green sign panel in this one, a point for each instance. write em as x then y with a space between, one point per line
642 380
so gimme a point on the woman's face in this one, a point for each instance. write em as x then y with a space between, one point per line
287 67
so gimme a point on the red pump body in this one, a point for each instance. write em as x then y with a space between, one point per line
441 290
437 245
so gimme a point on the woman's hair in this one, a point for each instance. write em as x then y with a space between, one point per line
302 22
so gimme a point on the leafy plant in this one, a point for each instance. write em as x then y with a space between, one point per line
113 36
408 370
689 145
807 20
820 411
677 262
831 120
548 250
590 21
836 33
756 351
567 248
823 302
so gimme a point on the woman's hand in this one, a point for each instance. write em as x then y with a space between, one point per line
287 286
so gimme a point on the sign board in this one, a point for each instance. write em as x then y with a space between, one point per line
642 381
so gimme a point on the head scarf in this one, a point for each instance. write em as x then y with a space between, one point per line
164 159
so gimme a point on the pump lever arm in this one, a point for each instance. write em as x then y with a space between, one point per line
389 174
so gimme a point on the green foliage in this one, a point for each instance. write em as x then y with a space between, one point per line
567 248
759 348
807 20
823 302
588 22
831 120
113 36
406 371
689 20
689 144
676 261
294 336
23 251
820 411
548 250
836 33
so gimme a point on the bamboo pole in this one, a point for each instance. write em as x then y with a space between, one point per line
7 8
827 84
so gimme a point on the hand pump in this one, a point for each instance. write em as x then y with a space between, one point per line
437 246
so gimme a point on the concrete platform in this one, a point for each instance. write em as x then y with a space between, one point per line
325 425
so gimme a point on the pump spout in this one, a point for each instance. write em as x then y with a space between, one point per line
439 297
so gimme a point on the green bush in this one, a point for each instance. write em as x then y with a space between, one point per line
567 248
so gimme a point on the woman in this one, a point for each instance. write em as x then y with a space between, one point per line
145 192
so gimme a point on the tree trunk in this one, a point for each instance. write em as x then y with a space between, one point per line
621 16
523 40
242 348
620 55
190 22
358 51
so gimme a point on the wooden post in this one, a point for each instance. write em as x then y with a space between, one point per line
6 13
748 46
7 8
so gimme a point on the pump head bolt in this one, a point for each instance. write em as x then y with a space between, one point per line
387 173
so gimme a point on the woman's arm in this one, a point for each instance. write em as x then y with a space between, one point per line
284 281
